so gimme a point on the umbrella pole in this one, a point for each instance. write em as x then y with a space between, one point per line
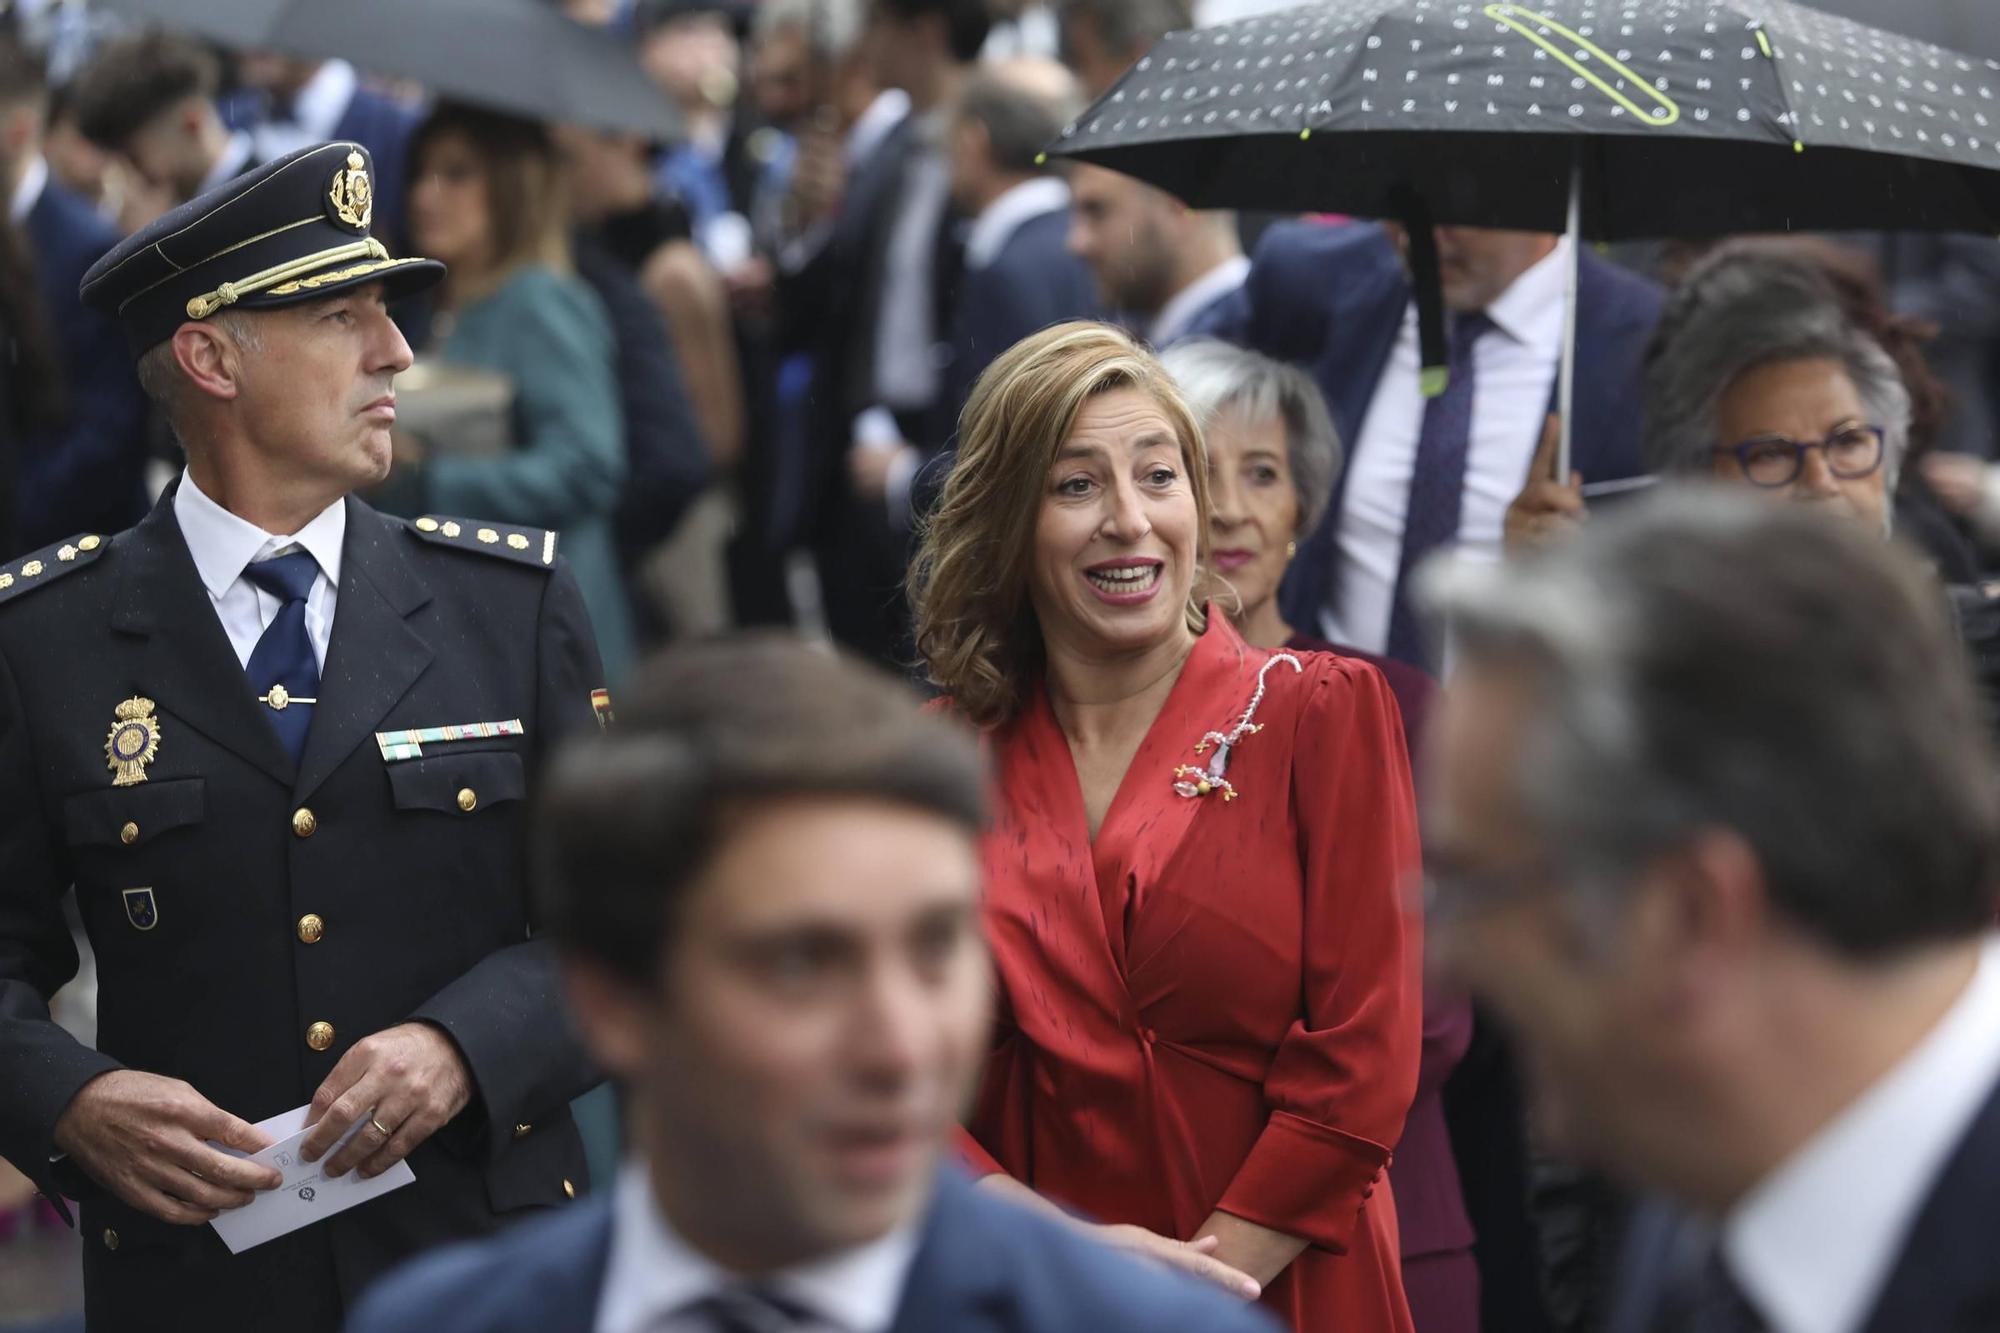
1566 375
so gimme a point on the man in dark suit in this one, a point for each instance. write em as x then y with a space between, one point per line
765 886
873 304
1161 267
1336 301
87 472
1019 276
1740 905
279 746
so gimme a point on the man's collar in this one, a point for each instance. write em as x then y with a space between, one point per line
873 126
1191 300
653 1272
34 180
999 220
1530 311
1813 1244
223 544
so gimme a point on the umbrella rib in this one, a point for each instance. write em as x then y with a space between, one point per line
1338 80
1793 125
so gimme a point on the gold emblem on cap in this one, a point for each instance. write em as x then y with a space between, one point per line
134 740
352 195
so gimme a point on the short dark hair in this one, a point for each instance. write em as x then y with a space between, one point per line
629 820
1710 659
966 22
23 75
136 77
1019 122
1125 28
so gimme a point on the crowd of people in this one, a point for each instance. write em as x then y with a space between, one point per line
947 741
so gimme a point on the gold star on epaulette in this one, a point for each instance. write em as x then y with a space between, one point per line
527 546
47 565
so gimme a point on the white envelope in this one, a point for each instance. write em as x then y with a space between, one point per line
307 1196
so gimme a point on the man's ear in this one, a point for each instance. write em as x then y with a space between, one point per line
613 1016
210 359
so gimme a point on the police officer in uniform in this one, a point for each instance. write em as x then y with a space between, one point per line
280 747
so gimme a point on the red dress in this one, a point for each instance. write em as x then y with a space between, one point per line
1218 1004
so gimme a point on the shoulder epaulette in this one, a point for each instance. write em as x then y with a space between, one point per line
20 577
526 546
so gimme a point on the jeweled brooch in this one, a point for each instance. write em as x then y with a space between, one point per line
1195 782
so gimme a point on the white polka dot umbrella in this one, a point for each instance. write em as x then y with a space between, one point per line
1617 118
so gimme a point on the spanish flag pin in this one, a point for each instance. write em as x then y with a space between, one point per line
600 704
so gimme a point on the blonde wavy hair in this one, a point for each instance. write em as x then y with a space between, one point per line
968 587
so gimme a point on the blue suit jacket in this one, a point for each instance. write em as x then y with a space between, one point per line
983 1266
90 475
1032 283
1943 1281
1331 300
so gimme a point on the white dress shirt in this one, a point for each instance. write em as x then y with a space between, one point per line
236 155
28 192
1514 370
1812 1246
224 545
906 332
653 1277
1185 304
1013 209
315 112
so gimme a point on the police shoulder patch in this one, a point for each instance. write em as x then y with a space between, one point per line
20 577
526 546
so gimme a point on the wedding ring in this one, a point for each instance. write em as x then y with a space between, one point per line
380 1128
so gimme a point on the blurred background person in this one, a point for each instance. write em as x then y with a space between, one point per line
1101 39
149 97
1018 277
1210 1019
1272 459
780 959
486 199
287 104
1160 266
80 447
1786 1023
874 306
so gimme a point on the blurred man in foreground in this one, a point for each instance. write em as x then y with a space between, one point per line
766 886
1716 832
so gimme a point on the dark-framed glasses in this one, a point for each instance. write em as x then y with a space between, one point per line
1851 453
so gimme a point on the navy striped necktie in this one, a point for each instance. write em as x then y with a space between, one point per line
283 673
1437 487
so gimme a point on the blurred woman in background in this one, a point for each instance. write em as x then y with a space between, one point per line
485 197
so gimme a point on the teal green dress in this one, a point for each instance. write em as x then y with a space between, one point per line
548 335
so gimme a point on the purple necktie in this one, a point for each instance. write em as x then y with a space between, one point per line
1437 487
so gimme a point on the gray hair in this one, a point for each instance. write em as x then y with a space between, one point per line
1706 659
1743 309
1125 27
160 374
1216 375
832 28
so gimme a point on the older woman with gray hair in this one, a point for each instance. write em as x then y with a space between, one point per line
1273 459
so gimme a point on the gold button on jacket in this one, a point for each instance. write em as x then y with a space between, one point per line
129 834
110 1239
569 1190
311 928
467 799
319 1036
304 822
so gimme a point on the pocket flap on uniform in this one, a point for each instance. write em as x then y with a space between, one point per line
458 783
134 814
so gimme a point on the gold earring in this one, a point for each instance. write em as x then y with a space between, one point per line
1291 550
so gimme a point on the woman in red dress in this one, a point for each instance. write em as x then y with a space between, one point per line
1210 1000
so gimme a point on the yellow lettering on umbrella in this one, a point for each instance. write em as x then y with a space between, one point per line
1514 16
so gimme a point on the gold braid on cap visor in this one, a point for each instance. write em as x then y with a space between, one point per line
298 275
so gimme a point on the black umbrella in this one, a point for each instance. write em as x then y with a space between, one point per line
518 56
1609 118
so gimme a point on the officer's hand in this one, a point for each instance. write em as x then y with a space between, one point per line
408 1080
142 1137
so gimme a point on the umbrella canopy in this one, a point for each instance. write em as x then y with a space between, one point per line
1972 26
518 56
1685 117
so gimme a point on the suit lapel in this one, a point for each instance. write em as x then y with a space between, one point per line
374 656
187 666
1944 1279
